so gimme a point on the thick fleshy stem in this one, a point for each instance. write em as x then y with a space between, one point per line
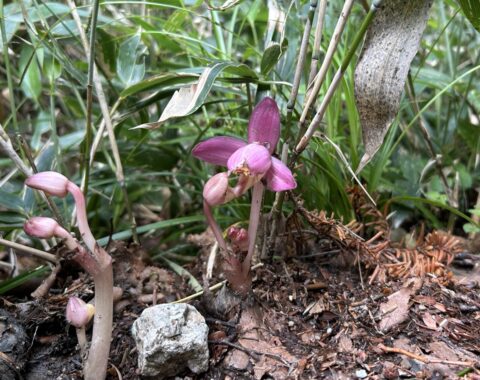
83 226
207 210
97 360
257 196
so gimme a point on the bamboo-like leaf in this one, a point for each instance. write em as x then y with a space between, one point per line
270 58
390 45
471 10
187 100
131 60
226 5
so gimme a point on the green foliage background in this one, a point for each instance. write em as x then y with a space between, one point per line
147 50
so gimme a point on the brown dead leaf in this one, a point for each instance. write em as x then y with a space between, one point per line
274 360
391 42
395 310
429 321
345 344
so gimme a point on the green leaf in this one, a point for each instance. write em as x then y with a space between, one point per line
10 201
157 82
226 5
187 100
31 84
270 58
153 227
5 286
471 10
192 281
469 228
431 202
131 60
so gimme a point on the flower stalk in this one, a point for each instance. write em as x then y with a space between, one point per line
97 262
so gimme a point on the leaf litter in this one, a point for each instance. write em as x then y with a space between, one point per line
332 310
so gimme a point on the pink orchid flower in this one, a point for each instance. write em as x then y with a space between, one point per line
252 161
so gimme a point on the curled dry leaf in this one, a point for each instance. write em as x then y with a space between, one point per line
390 45
395 310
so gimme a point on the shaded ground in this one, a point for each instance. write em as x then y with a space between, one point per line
315 316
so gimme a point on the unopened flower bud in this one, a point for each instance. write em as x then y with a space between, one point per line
252 160
217 191
44 228
52 183
238 237
78 312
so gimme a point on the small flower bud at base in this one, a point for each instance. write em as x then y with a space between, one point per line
78 312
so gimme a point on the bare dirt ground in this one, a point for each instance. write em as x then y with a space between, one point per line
341 308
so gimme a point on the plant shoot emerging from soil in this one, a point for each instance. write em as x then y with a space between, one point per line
97 263
252 165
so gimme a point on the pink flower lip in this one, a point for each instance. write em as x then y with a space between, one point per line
78 312
217 191
52 183
251 160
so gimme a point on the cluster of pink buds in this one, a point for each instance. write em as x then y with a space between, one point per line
250 165
93 259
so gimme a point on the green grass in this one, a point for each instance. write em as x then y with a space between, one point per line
46 72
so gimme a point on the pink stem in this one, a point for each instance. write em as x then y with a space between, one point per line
214 226
97 360
257 196
83 226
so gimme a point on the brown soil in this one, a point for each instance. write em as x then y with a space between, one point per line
306 318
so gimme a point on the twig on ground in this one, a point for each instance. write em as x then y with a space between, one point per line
422 358
213 287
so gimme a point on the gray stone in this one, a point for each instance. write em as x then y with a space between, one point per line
170 339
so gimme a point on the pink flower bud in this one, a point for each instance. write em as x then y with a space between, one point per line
44 228
52 183
78 312
251 160
238 238
217 191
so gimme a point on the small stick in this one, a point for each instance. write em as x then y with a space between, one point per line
211 288
317 45
46 284
32 251
315 123
300 63
6 144
332 47
422 358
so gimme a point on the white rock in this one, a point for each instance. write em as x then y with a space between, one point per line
171 338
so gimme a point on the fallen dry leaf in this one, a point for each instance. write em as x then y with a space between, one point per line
395 310
429 321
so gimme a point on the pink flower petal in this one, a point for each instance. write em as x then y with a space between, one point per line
250 160
216 191
264 124
218 149
279 177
